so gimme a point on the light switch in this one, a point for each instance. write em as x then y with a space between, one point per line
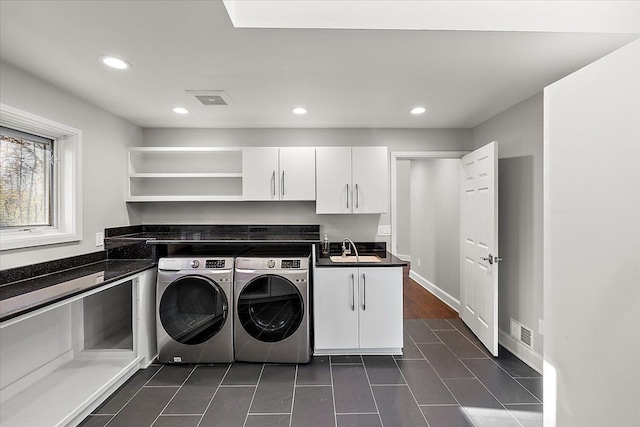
384 230
99 238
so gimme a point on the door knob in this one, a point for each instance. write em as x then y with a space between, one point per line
491 259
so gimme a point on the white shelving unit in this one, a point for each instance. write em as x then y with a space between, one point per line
162 174
62 361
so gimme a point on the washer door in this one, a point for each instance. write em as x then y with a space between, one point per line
193 309
270 308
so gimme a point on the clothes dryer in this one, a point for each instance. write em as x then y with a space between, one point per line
272 309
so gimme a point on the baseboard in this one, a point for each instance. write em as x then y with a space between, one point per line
442 295
521 351
404 257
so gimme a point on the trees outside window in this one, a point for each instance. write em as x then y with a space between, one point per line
25 179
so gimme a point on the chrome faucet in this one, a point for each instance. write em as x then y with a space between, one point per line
346 250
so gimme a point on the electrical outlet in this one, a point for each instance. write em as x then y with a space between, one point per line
418 262
540 326
99 238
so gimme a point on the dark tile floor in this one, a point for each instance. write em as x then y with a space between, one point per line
444 379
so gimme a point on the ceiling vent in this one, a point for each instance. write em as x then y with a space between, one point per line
211 97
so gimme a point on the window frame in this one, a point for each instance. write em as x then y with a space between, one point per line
67 185
50 173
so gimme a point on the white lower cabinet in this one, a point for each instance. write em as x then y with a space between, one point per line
357 310
62 361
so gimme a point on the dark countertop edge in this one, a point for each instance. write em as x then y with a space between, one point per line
389 261
148 265
237 241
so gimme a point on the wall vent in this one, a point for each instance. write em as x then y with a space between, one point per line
521 333
211 97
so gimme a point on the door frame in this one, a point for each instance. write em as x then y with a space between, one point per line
410 155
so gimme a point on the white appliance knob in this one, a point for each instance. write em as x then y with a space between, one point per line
271 263
195 263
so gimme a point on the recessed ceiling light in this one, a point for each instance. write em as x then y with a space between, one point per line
299 110
180 110
113 62
418 110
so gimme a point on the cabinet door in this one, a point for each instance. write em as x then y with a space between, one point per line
380 305
335 308
297 173
260 173
370 180
333 180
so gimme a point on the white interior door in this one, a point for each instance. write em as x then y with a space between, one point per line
479 245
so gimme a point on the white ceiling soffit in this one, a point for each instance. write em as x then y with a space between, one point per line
527 16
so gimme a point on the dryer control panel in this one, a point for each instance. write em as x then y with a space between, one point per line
290 263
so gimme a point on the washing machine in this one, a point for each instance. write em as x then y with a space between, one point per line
194 310
272 309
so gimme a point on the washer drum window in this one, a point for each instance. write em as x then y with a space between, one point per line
193 309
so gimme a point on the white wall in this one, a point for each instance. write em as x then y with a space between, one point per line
435 223
104 138
357 227
403 202
519 132
591 252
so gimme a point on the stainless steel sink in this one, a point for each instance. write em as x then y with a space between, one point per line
361 258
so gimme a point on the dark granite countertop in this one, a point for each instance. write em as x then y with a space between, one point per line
378 249
216 234
26 295
206 238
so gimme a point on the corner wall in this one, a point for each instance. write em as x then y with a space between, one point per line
591 252
519 132
104 140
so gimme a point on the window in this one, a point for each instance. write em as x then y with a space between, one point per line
40 197
26 166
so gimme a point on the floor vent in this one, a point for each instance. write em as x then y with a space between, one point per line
211 97
522 334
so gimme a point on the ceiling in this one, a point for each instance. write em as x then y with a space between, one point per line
345 77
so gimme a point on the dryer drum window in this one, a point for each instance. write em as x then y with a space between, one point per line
270 308
193 309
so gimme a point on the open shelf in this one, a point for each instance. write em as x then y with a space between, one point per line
63 360
157 174
62 395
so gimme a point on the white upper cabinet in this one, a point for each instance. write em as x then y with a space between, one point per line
333 180
261 180
271 173
297 173
352 180
370 179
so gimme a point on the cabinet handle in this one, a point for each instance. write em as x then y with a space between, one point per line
273 183
353 293
347 196
364 292
357 197
282 183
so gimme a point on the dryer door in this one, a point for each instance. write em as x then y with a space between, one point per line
270 308
193 309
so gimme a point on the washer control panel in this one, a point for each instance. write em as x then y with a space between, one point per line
215 263
191 263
